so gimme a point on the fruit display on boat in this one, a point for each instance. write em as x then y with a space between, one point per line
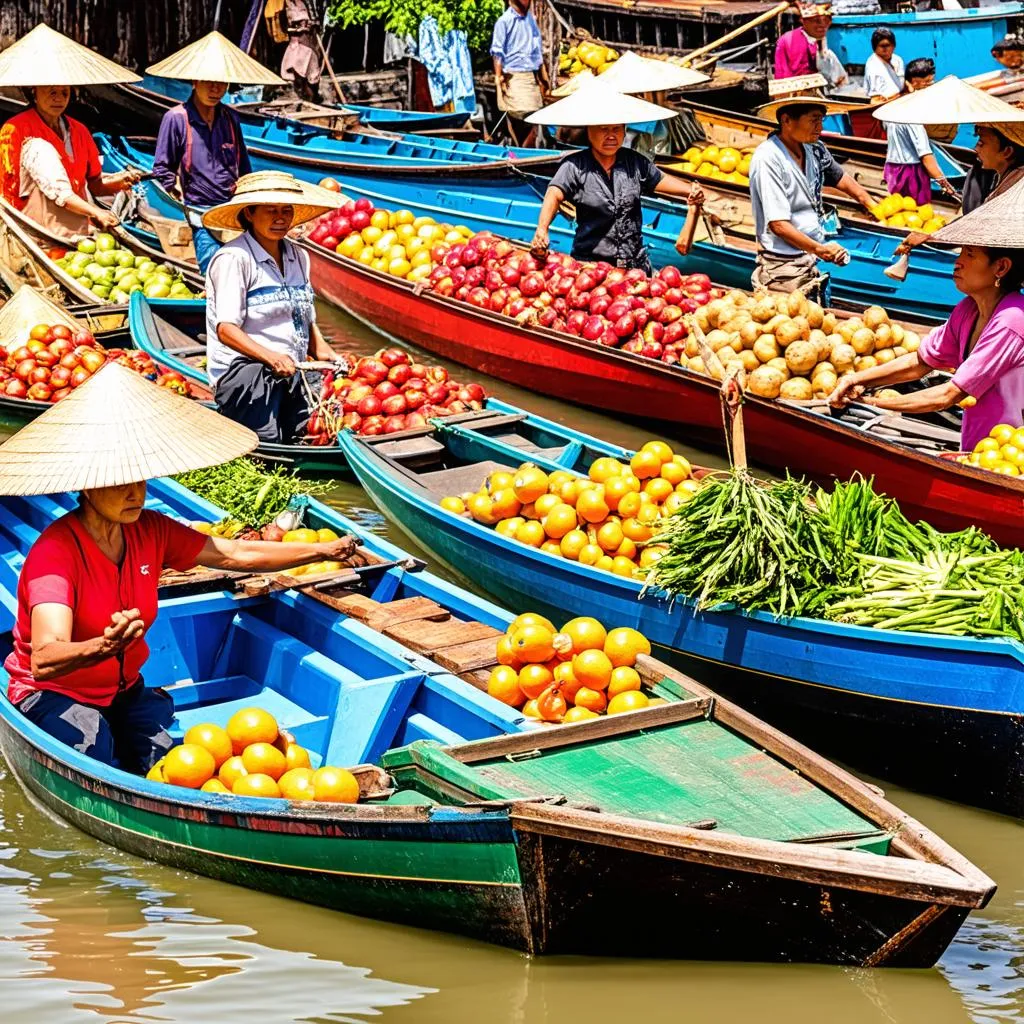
251 756
791 347
723 163
903 212
56 359
396 242
386 393
571 674
604 519
113 273
1002 451
574 58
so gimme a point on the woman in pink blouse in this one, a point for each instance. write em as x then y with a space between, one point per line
983 340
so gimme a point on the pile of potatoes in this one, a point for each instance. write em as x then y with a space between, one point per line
791 347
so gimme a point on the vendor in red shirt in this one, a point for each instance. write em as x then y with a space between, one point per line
88 589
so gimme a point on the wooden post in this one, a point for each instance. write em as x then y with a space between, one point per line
745 27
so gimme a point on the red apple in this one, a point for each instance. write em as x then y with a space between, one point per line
593 326
40 375
24 369
39 392
393 424
93 359
47 358
657 288
394 406
79 375
15 388
400 374
369 406
360 220
394 357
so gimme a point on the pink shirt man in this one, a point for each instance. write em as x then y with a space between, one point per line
795 55
993 372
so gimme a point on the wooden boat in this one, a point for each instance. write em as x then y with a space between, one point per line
726 825
510 207
938 714
178 341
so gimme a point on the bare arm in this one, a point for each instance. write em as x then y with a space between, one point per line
318 349
931 165
76 204
852 385
553 198
272 556
670 185
855 190
694 209
828 251
111 184
933 399
54 654
235 338
499 78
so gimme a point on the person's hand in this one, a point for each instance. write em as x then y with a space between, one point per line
696 197
848 390
947 189
911 241
106 218
540 245
125 179
125 627
281 364
830 253
341 550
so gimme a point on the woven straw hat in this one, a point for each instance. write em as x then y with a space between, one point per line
45 57
273 188
949 101
576 82
633 73
26 309
214 58
771 110
594 102
117 428
997 224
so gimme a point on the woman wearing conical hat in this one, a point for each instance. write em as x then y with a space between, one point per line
87 592
200 150
49 165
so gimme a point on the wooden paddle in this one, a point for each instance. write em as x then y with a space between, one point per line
736 32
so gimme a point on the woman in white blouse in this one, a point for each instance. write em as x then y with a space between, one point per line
883 70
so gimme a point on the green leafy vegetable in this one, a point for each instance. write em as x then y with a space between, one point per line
474 17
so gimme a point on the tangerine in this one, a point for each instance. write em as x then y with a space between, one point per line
335 785
609 536
297 784
504 503
590 554
530 709
560 520
591 506
453 505
251 725
545 503
499 480
572 544
213 786
592 668
295 757
605 468
630 700
674 502
645 464
534 680
623 566
652 554
690 487
636 530
659 488
566 679
530 619
256 785
605 563
622 680
156 773
558 479
578 714
592 700
649 514
188 765
623 645
531 532
231 771
630 504
627 549
617 487
533 644
658 448
503 685
505 654
550 547
530 483
213 738
586 633
264 759
481 508
507 527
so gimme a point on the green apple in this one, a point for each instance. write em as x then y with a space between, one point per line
106 259
87 245
119 295
101 290
105 242
157 290
72 270
129 279
125 258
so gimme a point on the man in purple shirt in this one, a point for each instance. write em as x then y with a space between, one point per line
200 155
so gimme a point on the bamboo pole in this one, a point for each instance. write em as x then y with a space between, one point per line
746 27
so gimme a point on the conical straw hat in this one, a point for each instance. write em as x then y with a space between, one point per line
214 58
633 73
45 57
275 188
117 428
597 103
26 309
576 82
996 224
950 101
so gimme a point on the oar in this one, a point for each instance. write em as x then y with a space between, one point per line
736 32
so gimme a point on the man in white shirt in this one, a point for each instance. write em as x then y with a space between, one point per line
883 70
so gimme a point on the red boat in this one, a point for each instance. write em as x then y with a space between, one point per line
948 494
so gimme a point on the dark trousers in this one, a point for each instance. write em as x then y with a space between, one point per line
130 733
274 407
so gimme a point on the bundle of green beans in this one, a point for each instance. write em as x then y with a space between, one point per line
247 491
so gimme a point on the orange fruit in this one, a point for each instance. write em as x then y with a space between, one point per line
504 503
156 773
645 464
624 644
534 679
481 509
531 533
578 714
545 503
635 530
592 700
690 487
605 468
188 765
609 536
295 757
622 680
592 668
658 488
550 547
499 480
505 654
508 527
590 554
572 544
214 786
605 563
631 700
530 483
627 549
987 444
630 503
256 785
659 448
251 725
530 619
566 680
623 566
455 505
617 487
1002 432
674 502
649 514
560 520
264 759
503 685
586 633
530 709
231 771
297 784
335 785
533 644
652 554
558 479
673 472
591 506
989 459
213 738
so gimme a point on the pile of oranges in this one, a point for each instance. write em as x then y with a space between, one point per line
1001 452
604 519
571 674
251 757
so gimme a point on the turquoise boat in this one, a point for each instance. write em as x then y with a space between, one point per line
938 714
687 829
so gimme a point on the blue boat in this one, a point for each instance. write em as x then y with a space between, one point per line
510 206
945 715
724 824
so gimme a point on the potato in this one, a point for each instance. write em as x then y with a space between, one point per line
828 323
713 310
697 365
701 316
823 367
801 357
819 339
796 304
804 326
899 350
749 360
749 333
765 382
843 358
815 315
717 339
883 337
898 333
875 316
788 332
798 388
911 341
737 298
778 363
885 355
766 347
763 310
823 384
864 363
691 349
863 341
846 331
772 325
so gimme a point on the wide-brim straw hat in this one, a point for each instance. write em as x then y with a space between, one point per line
272 188
771 110
632 73
598 103
949 101
214 58
576 82
996 224
117 428
45 57
26 309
